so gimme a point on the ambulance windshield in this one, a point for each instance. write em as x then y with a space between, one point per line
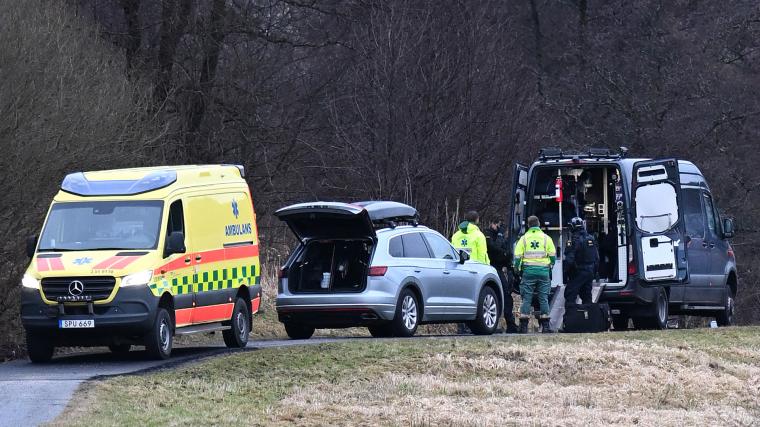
82 226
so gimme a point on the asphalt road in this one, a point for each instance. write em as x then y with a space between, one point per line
33 394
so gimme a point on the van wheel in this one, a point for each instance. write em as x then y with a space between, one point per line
658 320
158 341
620 323
120 348
407 316
39 347
726 317
297 331
380 331
487 317
237 335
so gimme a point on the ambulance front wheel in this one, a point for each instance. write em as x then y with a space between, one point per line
237 335
39 347
158 341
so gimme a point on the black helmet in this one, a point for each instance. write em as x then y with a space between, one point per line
576 224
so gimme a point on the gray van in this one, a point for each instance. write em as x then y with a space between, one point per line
663 246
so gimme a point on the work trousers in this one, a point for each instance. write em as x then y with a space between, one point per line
535 280
509 303
579 284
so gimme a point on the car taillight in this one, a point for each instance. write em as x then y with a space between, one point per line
282 273
378 271
631 268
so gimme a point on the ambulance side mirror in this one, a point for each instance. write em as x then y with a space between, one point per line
31 245
463 256
175 244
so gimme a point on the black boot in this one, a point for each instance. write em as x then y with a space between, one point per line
524 326
512 327
545 327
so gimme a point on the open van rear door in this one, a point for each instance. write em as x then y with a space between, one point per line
517 207
658 214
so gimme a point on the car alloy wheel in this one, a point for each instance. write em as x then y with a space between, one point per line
490 311
409 312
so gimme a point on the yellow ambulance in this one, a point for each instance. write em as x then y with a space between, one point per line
134 256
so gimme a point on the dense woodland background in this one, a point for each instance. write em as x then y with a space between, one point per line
426 102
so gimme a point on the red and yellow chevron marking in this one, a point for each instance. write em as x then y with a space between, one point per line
51 264
116 262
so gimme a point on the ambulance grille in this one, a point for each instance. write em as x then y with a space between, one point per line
95 288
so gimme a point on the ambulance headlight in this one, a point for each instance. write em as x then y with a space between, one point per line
137 279
30 282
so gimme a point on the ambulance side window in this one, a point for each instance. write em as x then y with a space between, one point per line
176 220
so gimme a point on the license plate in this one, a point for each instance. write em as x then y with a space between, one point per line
76 323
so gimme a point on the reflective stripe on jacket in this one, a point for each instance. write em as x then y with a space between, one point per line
535 249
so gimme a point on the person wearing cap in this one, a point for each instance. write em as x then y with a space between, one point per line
501 258
580 264
535 255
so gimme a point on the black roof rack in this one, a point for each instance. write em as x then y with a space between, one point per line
555 153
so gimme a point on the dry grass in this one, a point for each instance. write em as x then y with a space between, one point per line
653 378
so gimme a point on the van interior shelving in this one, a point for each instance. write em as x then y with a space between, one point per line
591 192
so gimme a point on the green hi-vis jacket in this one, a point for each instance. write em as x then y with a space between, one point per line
470 238
535 249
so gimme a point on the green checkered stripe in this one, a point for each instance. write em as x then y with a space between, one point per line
214 280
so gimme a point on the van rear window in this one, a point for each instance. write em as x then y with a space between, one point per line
656 207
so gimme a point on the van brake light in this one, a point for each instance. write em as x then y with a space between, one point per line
631 268
378 271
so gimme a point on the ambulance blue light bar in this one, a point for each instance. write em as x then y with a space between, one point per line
77 183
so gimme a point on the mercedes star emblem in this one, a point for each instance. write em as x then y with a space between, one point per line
76 288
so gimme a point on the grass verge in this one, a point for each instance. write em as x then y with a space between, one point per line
664 378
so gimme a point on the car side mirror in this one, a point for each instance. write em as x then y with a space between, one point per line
31 245
728 228
175 244
463 256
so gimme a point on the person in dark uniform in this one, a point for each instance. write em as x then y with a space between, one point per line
500 256
580 264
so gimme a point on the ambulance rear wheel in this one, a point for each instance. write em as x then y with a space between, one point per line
237 335
158 341
39 347
297 331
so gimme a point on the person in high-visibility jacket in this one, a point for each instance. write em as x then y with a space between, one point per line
470 238
535 256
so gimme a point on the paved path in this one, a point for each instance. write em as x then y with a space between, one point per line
32 394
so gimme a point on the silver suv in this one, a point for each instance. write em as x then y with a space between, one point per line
357 265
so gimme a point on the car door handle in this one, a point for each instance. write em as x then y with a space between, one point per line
473 272
418 271
187 260
446 272
198 257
